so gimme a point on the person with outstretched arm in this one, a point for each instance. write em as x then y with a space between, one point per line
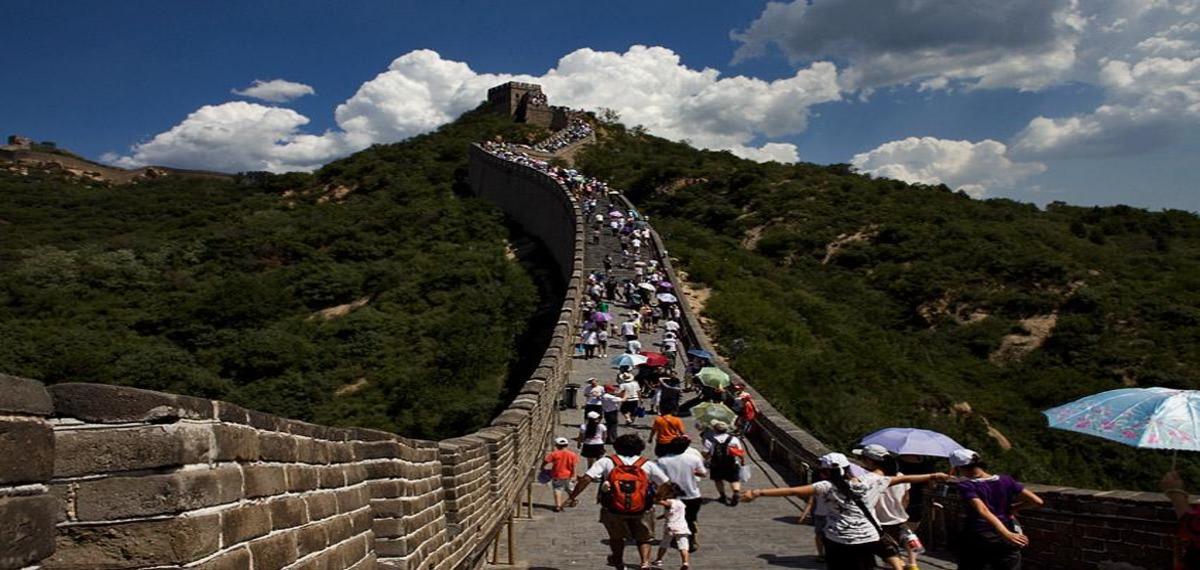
851 539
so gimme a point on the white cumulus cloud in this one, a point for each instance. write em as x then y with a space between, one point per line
275 90
977 168
1003 43
1151 103
233 137
420 91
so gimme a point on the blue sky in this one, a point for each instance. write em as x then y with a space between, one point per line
1091 102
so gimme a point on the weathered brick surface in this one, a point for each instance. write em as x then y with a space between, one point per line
235 443
27 450
26 529
275 551
22 396
237 559
288 512
96 451
100 403
130 545
244 522
264 480
128 497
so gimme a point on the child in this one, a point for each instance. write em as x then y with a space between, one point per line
676 528
561 465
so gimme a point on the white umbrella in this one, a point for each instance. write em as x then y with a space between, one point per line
646 286
667 298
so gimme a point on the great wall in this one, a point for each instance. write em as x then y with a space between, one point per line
105 477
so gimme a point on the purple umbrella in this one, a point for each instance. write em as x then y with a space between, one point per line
666 285
601 317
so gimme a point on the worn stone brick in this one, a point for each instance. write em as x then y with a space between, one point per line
312 451
321 506
101 403
24 396
175 541
128 497
26 529
26 450
277 447
95 451
245 522
331 477
237 559
302 478
264 480
274 551
340 528
288 512
311 538
235 443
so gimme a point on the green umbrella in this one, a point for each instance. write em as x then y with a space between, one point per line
709 411
713 377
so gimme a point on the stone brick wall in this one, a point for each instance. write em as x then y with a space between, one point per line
103 477
27 509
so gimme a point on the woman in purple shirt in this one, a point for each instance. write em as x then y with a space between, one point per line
991 537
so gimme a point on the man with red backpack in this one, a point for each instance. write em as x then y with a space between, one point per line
626 495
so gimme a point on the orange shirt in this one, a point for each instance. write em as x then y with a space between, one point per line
667 428
563 463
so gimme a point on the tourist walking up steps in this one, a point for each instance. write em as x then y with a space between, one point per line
685 467
725 456
991 537
592 436
676 530
851 539
561 465
625 481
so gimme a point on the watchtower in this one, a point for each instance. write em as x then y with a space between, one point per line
525 102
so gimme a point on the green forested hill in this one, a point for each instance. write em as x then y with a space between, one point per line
856 303
213 288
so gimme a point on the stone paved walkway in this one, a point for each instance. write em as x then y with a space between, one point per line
761 534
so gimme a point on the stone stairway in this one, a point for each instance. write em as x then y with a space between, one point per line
762 534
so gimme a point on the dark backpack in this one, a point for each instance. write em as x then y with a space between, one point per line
629 492
721 457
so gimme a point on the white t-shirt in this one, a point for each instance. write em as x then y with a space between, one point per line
602 467
630 389
682 469
671 326
597 439
628 328
845 523
890 508
734 443
610 402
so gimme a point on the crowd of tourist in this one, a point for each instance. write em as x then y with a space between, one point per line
861 511
576 130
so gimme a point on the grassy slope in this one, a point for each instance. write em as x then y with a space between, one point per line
206 287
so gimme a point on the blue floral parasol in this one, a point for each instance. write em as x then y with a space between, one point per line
1150 418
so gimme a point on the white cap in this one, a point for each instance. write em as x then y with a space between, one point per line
593 415
962 457
834 461
561 441
873 451
719 425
